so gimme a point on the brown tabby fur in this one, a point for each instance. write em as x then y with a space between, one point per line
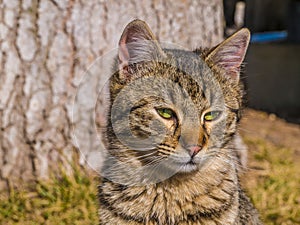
207 192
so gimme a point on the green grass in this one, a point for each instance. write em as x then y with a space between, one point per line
273 182
276 190
64 201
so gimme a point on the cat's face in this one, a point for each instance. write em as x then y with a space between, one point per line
174 106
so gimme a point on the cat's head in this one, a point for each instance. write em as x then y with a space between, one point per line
172 105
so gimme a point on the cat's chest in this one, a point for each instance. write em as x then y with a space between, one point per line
174 203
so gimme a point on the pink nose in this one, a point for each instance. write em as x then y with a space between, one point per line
194 149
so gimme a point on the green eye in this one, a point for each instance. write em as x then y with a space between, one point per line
165 113
213 115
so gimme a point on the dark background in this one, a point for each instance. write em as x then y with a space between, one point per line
272 73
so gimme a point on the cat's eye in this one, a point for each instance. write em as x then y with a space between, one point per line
212 115
165 113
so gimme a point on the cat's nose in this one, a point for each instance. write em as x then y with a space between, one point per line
194 150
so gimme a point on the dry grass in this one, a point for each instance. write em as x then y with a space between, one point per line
64 201
273 178
273 182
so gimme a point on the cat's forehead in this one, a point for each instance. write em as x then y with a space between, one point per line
187 61
193 78
191 72
190 68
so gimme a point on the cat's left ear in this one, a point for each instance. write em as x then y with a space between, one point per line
137 44
230 54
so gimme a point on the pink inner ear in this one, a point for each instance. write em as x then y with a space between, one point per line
230 54
229 59
230 62
123 52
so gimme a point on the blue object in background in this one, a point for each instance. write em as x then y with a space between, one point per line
269 36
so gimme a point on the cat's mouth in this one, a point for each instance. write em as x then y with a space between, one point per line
184 162
188 167
185 165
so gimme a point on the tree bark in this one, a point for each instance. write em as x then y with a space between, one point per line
45 48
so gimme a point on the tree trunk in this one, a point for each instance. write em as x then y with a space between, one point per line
45 48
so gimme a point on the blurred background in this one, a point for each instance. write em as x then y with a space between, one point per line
273 62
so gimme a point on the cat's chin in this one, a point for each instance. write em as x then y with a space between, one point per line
186 164
183 164
188 167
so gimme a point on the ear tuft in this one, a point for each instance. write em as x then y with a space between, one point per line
230 54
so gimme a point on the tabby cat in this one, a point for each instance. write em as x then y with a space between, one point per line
171 134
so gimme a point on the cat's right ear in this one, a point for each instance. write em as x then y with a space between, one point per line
230 54
137 44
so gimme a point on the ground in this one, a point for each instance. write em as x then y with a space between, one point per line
272 180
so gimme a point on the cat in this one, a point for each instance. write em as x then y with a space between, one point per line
171 134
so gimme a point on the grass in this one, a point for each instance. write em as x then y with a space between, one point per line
273 182
275 185
64 201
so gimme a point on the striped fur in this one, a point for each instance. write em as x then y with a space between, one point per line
149 174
